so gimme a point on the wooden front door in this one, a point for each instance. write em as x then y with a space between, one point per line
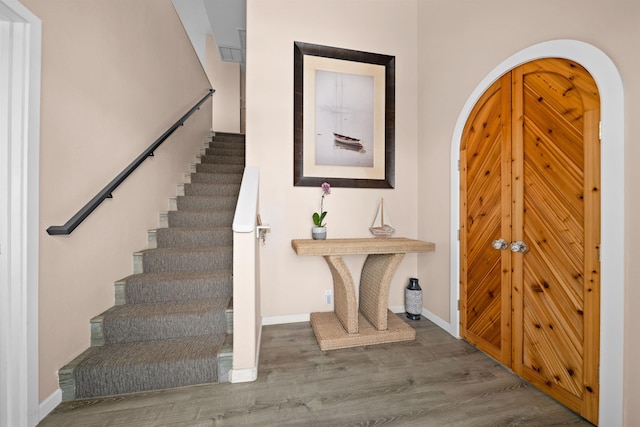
530 229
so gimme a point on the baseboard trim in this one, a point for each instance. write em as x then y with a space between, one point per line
49 404
290 318
246 375
438 321
397 309
297 318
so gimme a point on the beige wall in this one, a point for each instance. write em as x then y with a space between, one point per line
444 49
294 285
225 79
115 75
453 45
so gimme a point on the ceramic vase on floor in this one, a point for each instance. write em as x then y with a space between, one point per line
319 233
413 299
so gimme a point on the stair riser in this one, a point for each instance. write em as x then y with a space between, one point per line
144 379
230 145
199 219
198 238
222 160
154 262
217 150
204 203
140 379
159 327
200 189
135 369
174 290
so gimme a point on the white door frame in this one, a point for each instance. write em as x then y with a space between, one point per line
20 46
609 82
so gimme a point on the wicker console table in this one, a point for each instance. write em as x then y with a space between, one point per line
373 323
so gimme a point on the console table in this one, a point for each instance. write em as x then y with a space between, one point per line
373 323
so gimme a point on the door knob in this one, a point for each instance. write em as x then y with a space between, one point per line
519 246
499 244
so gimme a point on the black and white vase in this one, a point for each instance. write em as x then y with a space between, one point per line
413 299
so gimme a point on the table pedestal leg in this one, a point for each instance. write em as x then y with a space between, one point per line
345 302
377 272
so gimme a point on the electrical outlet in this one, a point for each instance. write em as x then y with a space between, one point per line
327 296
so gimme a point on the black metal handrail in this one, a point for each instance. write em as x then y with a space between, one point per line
106 192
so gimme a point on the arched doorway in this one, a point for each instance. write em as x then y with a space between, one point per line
609 83
530 228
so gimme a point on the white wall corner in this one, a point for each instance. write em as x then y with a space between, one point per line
20 59
246 375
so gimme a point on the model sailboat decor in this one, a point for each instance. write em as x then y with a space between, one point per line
382 225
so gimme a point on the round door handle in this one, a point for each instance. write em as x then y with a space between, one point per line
519 247
499 244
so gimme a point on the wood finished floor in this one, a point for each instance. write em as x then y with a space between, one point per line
435 380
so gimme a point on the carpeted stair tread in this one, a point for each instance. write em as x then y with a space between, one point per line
224 149
174 286
183 259
211 189
229 136
200 219
149 365
231 145
217 178
176 237
161 320
206 203
219 150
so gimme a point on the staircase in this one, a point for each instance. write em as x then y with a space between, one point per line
171 324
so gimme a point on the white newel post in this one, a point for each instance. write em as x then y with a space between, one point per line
247 321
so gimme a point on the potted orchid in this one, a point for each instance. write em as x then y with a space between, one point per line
319 231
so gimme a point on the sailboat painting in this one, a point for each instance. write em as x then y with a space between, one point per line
344 119
381 226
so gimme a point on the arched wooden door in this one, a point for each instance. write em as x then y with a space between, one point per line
530 229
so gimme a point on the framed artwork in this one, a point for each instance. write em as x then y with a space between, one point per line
344 117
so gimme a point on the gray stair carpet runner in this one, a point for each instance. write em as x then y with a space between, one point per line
171 322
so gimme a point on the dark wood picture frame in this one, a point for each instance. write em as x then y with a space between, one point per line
302 50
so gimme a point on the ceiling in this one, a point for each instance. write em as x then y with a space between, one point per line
224 19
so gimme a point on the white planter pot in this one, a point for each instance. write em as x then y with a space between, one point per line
319 233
